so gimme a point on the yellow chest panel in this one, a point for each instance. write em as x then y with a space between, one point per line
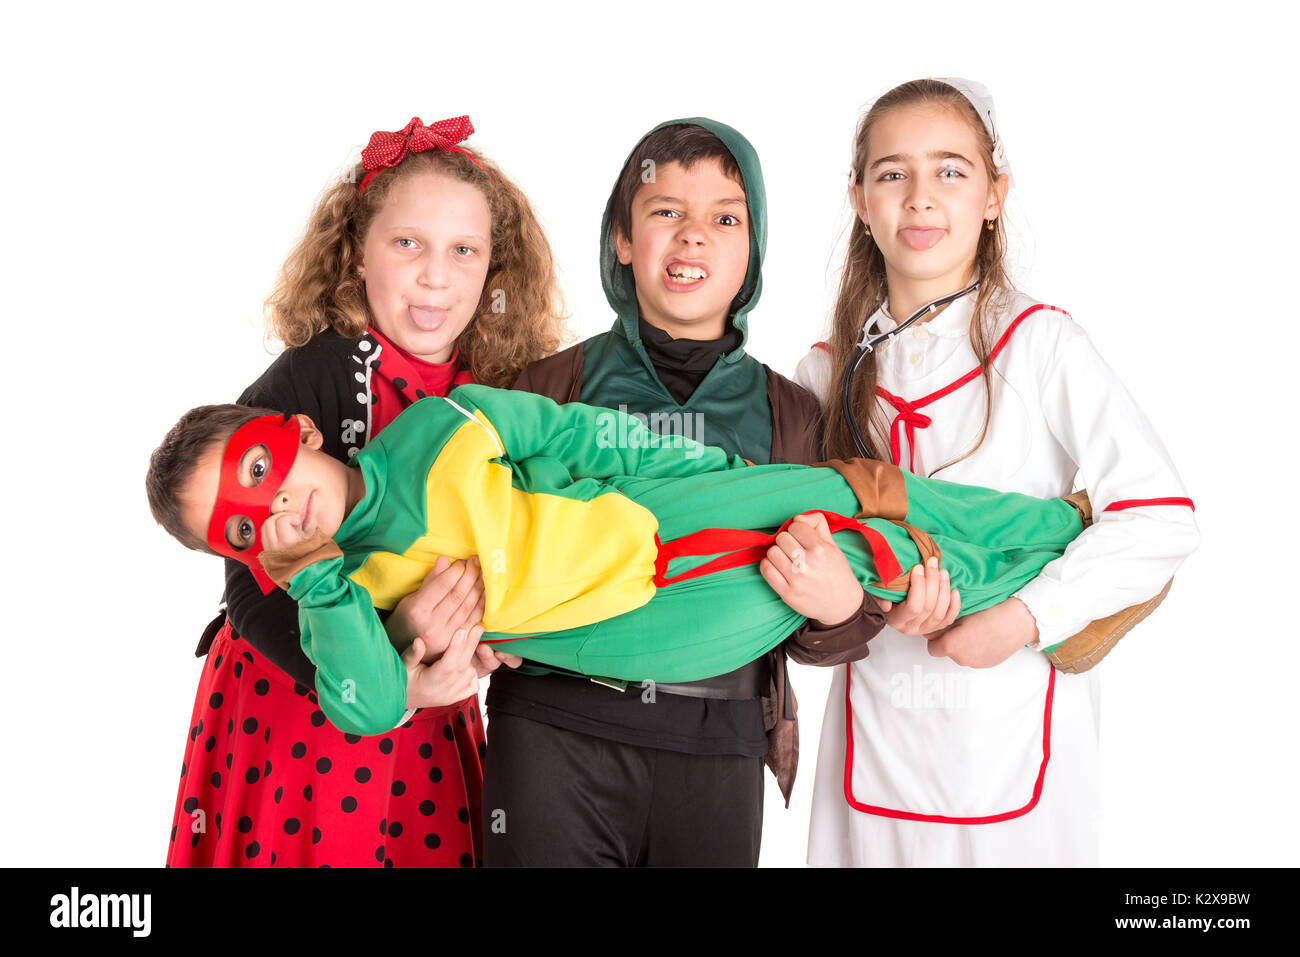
549 562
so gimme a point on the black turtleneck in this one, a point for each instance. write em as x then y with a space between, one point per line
682 364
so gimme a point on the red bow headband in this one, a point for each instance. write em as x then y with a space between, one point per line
281 436
389 149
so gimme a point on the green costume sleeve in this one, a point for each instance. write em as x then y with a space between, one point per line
589 442
360 679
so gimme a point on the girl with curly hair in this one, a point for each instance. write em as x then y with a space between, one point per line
423 269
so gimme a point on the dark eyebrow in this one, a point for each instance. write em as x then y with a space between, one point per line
678 201
933 154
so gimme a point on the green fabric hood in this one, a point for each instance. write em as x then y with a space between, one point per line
617 279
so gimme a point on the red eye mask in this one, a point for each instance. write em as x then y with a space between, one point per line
281 436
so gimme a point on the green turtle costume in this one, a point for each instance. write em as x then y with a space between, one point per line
609 550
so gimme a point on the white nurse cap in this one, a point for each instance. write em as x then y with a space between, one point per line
982 100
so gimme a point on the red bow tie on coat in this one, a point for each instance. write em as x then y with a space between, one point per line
388 149
909 417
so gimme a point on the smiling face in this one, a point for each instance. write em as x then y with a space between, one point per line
688 249
319 489
925 194
424 262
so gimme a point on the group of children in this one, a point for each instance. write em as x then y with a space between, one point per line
643 594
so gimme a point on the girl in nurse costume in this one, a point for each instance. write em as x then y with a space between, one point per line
959 744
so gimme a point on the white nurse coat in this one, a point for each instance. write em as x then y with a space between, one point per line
922 761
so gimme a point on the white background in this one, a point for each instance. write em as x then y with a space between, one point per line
159 163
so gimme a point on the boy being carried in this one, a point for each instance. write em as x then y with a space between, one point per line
597 558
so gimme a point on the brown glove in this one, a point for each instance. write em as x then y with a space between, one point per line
1080 652
282 565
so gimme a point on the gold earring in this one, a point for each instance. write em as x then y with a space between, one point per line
867 228
989 224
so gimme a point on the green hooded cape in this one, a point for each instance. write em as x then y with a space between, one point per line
618 373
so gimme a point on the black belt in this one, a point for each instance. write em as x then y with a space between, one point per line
750 681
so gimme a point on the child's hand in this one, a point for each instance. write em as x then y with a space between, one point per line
989 637
450 679
284 530
449 599
930 606
810 573
487 659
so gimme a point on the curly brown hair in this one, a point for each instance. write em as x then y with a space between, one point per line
319 288
863 289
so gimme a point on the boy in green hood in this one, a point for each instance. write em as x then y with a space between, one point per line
590 773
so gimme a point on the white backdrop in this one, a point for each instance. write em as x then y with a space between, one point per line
160 163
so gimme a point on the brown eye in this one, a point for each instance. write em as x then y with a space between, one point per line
254 466
239 532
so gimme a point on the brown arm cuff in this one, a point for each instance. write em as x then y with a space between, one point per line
282 565
814 644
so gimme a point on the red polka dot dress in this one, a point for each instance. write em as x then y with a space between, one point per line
266 780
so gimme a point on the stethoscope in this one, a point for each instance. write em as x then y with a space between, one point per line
867 345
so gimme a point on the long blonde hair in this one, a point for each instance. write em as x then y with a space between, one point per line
863 288
319 288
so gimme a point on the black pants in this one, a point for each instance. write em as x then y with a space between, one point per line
557 798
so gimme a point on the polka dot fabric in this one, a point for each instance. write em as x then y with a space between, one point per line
267 781
387 149
400 379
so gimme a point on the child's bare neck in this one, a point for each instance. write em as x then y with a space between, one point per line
906 296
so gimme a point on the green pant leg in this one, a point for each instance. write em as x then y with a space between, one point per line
974 514
714 624
992 543
762 497
1001 542
690 630
709 625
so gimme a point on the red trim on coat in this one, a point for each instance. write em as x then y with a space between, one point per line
1139 502
909 417
824 346
940 818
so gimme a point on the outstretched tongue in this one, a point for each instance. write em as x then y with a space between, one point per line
921 238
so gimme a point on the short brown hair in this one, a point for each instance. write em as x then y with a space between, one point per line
684 143
173 463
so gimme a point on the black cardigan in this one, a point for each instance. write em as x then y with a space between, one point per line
328 380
